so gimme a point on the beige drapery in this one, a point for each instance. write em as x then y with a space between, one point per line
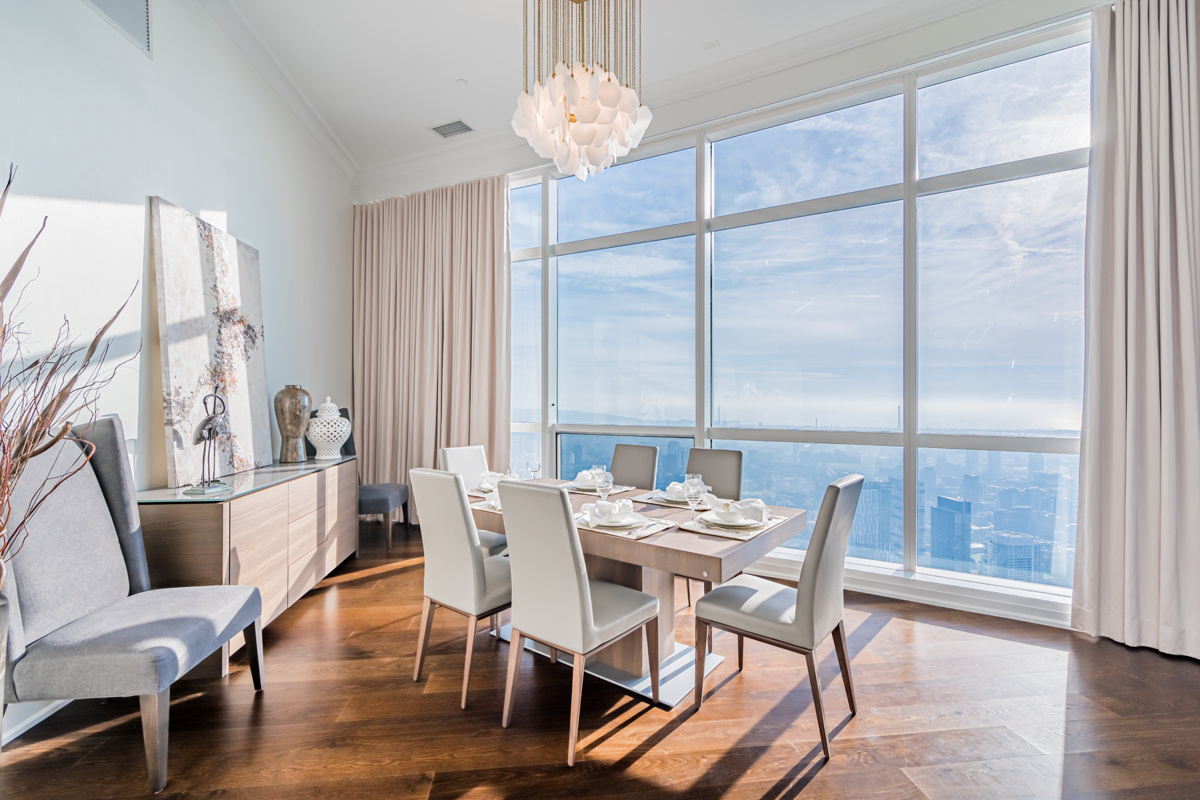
1137 574
431 327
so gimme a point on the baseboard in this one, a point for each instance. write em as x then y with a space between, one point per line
20 717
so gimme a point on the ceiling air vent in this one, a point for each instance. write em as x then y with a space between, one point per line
130 17
452 129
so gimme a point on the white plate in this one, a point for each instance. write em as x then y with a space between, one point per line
632 521
712 519
664 498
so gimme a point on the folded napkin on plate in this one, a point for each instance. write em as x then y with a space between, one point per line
676 491
492 502
585 480
604 512
489 480
735 511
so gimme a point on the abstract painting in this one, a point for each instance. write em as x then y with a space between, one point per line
211 341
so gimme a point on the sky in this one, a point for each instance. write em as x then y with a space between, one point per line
807 313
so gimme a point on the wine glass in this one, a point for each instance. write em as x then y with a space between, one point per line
693 489
604 485
534 467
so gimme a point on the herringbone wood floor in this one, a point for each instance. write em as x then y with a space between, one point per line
952 705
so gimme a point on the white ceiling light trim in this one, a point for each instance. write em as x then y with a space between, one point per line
580 115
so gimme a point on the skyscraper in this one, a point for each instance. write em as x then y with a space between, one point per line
950 533
1016 556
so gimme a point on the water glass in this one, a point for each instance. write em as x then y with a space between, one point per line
604 485
534 468
693 489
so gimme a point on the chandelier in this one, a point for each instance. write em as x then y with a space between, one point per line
584 114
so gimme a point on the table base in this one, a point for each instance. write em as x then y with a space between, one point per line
676 674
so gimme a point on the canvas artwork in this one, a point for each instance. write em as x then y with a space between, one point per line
211 340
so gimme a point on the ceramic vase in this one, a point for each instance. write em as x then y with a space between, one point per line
328 431
292 405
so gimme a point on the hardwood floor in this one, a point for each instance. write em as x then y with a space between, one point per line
951 705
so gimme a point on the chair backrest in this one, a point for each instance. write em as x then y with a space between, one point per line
453 559
722 470
470 462
819 591
347 448
635 465
551 598
83 549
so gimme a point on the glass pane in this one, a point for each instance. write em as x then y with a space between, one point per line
629 197
526 452
1005 515
577 452
796 475
808 322
527 341
626 335
525 217
1031 108
861 147
1001 299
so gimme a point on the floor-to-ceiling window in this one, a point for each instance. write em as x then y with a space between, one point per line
887 280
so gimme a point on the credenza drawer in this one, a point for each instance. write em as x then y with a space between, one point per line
306 533
305 495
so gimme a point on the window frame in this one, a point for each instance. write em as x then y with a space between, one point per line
1036 602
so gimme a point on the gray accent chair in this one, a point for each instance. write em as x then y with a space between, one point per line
373 498
83 621
635 465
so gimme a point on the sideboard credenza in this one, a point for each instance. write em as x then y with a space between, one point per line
281 528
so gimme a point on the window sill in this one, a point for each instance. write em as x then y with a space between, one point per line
1008 599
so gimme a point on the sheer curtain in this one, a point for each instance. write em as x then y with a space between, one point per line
1137 574
431 327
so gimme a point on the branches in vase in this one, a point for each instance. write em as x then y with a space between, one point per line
42 399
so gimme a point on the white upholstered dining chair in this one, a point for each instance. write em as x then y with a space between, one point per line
635 465
795 619
458 575
554 600
471 462
722 470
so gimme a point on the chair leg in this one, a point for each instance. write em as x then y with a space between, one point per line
708 588
741 651
553 655
472 622
407 522
493 623
156 710
688 582
576 697
701 636
427 609
514 663
387 532
843 657
651 629
818 705
253 636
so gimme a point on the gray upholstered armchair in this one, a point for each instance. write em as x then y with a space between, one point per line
82 619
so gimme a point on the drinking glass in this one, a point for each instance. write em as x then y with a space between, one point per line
535 468
693 489
604 485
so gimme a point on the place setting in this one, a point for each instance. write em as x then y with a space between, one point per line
486 490
619 519
732 519
596 481
676 494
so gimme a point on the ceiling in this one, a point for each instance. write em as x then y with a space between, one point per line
372 77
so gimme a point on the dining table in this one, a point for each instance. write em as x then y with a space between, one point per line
650 565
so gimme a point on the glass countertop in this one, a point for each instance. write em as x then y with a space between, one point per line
243 483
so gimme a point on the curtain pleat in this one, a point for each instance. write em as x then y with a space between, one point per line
431 327
1138 548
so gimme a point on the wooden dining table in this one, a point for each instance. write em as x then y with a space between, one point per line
650 565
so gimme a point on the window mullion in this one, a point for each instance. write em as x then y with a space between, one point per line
912 498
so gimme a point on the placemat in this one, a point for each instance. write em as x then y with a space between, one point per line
651 527
741 534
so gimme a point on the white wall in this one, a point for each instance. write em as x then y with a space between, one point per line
95 127
821 62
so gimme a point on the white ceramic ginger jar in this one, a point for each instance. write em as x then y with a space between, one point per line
328 431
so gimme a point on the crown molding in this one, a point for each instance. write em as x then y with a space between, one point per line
244 35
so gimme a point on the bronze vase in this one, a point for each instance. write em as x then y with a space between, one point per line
292 405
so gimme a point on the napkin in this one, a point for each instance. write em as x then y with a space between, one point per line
489 480
585 479
751 510
603 511
676 491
